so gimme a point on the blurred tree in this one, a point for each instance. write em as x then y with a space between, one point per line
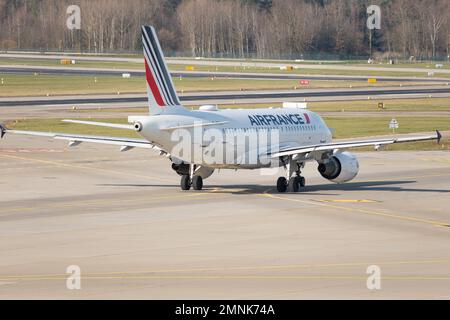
237 28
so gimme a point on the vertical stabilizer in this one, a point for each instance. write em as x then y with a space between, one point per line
162 97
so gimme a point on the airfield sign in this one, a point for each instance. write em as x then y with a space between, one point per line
393 125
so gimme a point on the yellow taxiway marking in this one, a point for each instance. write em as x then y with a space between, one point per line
348 201
443 160
240 277
118 274
405 178
83 203
360 210
73 166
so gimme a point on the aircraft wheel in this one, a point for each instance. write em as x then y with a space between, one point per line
302 182
294 184
281 184
185 182
197 183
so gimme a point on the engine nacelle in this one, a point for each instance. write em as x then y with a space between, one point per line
340 168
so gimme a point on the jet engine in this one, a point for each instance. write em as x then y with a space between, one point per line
341 167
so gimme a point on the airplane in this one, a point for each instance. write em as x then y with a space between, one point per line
301 136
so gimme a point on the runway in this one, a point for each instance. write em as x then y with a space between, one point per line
233 63
233 97
314 65
81 71
122 219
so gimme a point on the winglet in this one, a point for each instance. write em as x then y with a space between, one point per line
439 136
2 131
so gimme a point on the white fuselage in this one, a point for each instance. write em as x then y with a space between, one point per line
287 127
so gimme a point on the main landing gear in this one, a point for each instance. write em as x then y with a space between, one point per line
191 180
293 180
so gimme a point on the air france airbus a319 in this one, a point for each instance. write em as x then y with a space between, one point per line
202 141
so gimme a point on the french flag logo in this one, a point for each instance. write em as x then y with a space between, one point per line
308 120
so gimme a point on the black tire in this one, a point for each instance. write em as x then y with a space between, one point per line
302 182
197 183
281 184
185 183
294 184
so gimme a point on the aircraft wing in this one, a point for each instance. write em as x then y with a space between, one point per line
352 144
75 139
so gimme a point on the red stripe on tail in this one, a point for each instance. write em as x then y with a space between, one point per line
153 86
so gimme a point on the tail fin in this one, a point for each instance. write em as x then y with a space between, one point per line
162 97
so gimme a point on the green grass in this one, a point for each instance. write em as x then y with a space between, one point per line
373 126
222 84
217 84
41 85
424 65
356 63
212 68
413 105
344 128
79 63
349 63
56 125
304 71
326 62
401 105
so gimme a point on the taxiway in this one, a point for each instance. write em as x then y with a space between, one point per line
122 219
